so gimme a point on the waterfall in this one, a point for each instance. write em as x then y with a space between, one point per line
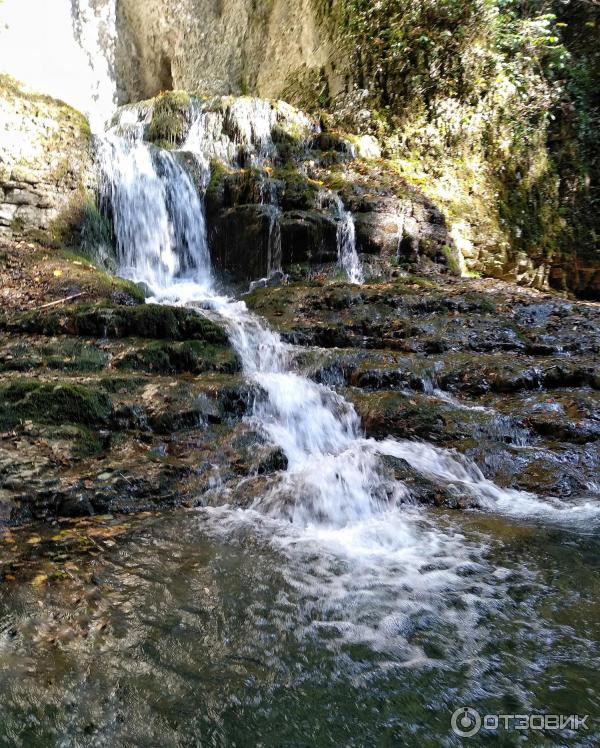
348 258
336 477
346 244
157 214
269 198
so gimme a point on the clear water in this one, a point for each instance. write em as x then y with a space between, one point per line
220 627
346 242
348 258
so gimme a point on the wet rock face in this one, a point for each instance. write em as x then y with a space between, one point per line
274 166
45 162
106 403
280 187
505 376
239 241
220 48
116 406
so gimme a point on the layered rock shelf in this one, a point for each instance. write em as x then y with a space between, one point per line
109 405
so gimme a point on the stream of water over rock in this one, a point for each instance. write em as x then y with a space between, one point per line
334 610
334 474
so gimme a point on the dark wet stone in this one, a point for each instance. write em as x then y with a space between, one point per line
308 236
423 490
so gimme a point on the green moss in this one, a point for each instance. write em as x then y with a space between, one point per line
193 356
451 260
73 355
27 399
122 384
307 88
61 354
218 173
170 119
415 280
17 225
300 190
101 321
85 441
335 179
81 226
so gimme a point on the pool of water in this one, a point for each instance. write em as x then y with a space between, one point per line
225 628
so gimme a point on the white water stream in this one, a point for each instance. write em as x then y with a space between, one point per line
336 497
335 476
346 242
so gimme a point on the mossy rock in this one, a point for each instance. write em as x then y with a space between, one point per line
59 355
144 321
218 173
385 413
300 192
11 90
80 225
194 356
27 399
170 119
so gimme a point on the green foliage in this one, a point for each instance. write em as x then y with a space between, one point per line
507 89
308 89
451 260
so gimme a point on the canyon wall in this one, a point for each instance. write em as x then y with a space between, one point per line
215 46
492 111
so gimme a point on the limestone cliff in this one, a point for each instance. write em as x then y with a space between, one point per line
215 46
490 108
45 162
487 109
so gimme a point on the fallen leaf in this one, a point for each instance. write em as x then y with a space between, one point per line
39 580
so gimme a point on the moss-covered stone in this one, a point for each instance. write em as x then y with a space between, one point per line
300 192
81 226
58 355
170 119
24 399
99 321
193 356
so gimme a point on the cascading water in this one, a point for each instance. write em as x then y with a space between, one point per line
158 216
348 258
337 512
335 475
346 243
268 198
360 563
